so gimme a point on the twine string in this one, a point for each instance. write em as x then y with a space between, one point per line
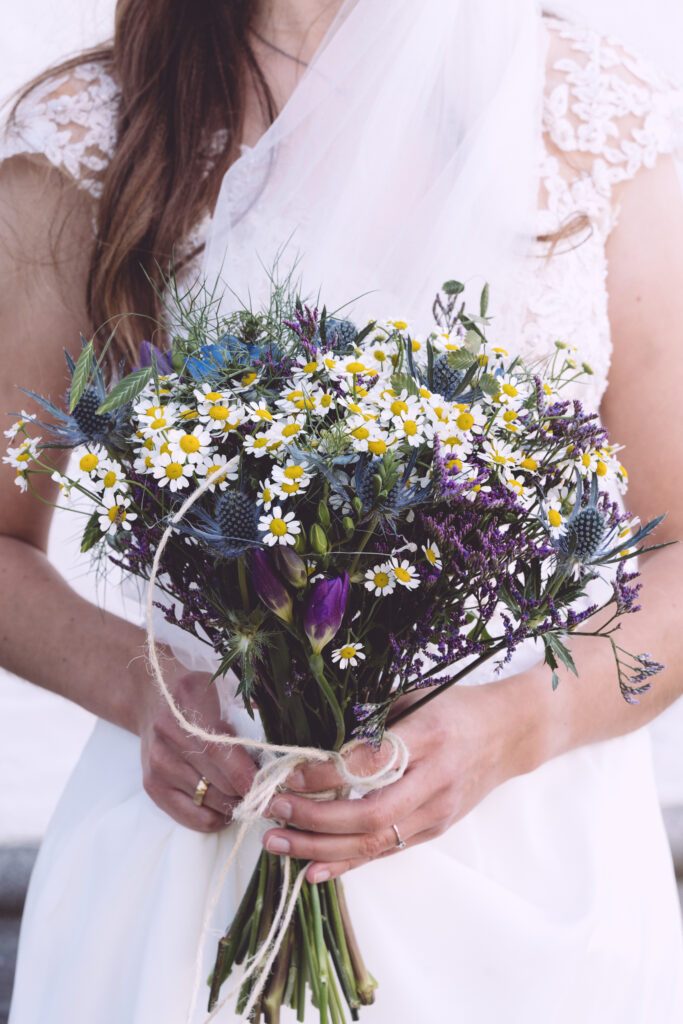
279 761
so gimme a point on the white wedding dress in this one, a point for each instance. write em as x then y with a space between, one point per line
554 901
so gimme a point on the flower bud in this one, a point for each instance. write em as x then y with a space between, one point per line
319 541
349 527
292 567
269 587
324 515
357 505
324 610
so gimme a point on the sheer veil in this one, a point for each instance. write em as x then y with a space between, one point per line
406 155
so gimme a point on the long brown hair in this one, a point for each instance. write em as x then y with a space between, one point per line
182 70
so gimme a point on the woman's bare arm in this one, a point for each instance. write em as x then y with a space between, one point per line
50 635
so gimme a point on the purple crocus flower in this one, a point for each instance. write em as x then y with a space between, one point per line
269 587
325 610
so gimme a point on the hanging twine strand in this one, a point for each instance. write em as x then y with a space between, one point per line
278 761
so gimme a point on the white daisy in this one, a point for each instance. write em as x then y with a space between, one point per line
349 654
405 573
191 447
290 479
279 529
433 555
110 477
116 515
20 456
172 473
265 495
380 580
230 469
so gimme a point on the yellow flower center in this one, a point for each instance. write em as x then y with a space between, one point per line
292 488
398 407
510 390
400 325
188 414
174 470
410 428
381 579
454 464
291 430
601 468
165 449
380 355
278 527
356 367
88 462
260 442
109 478
158 423
554 517
530 464
431 556
347 652
117 514
377 447
403 575
190 443
465 421
360 433
510 415
294 472
219 412
310 367
24 456
263 414
267 494
213 396
249 378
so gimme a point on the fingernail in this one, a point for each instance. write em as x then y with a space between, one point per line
278 844
320 876
281 809
297 780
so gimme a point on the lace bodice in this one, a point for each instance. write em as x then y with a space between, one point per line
607 115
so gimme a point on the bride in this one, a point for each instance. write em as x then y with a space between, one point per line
537 884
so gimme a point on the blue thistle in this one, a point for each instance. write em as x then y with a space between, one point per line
231 530
445 379
340 335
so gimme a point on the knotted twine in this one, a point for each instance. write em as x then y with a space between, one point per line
278 761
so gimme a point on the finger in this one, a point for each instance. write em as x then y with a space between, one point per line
215 797
178 806
323 871
372 813
358 846
232 769
363 760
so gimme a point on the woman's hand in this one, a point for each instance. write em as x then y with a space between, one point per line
173 761
462 745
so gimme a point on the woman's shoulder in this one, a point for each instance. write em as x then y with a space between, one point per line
68 121
606 105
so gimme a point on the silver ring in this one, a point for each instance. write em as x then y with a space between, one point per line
400 843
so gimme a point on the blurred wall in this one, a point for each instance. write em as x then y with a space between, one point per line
33 770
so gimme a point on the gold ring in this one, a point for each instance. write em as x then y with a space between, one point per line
400 843
200 791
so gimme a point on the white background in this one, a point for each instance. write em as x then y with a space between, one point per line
41 735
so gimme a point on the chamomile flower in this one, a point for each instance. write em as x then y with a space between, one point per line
555 521
265 495
20 424
262 444
116 515
88 461
221 417
468 418
172 473
403 404
519 486
111 477
414 429
499 453
279 529
157 419
192 447
144 462
406 574
380 580
290 479
65 484
258 412
24 453
349 654
289 429
213 463
433 555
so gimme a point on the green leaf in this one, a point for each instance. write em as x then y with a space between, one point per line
489 384
555 681
484 303
460 360
473 342
126 390
561 651
453 288
92 533
403 381
81 375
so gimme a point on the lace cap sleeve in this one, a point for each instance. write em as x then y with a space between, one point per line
70 122
609 110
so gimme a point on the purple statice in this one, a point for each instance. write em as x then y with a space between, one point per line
625 591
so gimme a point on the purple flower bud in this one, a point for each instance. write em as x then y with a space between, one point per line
147 352
325 609
269 587
291 565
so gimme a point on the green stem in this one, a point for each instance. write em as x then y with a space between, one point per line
243 584
275 991
318 669
339 945
365 540
321 950
365 982
228 945
255 927
446 686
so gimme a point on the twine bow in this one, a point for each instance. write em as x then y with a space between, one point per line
278 762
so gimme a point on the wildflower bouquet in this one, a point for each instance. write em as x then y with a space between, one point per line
384 512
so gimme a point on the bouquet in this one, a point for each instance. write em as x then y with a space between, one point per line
381 512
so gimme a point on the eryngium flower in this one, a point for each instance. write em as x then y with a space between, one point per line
584 534
446 380
237 518
269 587
324 611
